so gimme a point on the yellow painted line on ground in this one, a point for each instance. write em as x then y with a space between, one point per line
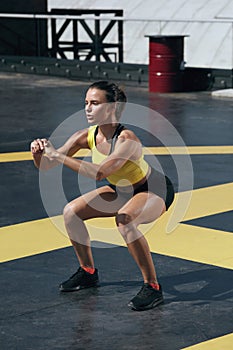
15 156
222 343
30 238
210 200
189 150
200 244
188 242
21 156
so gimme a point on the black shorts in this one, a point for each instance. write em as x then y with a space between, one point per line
156 183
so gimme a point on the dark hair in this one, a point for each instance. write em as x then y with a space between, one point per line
113 94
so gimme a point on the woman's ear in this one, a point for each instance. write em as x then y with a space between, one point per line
119 109
111 107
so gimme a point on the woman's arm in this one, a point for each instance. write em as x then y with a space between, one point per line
79 166
76 142
126 148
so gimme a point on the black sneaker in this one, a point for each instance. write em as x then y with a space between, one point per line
80 280
147 298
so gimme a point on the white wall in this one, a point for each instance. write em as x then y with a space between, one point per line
208 45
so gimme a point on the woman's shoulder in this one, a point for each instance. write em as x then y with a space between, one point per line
80 133
128 134
80 137
75 142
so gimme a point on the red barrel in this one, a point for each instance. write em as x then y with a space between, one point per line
165 59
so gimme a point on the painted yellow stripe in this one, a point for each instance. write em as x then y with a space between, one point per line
15 156
193 243
224 343
189 242
196 243
21 156
30 238
189 150
199 244
210 200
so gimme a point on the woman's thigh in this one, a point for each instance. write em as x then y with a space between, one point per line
143 208
102 202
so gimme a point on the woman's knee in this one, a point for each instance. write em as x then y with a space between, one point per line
123 219
125 224
71 212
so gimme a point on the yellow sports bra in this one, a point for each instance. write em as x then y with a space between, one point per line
130 173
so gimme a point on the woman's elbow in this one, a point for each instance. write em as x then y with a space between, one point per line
100 176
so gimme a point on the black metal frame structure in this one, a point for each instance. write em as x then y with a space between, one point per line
96 48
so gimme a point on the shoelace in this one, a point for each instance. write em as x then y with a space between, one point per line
79 272
145 291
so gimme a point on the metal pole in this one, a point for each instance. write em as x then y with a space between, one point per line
232 55
125 19
37 27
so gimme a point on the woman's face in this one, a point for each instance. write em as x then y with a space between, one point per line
97 109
